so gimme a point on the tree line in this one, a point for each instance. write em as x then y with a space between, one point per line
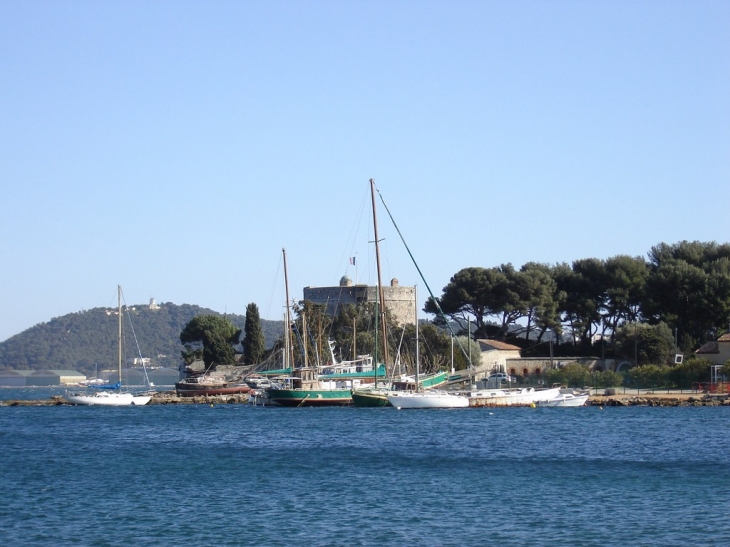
683 287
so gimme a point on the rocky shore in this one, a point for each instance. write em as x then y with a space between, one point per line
160 398
615 399
660 399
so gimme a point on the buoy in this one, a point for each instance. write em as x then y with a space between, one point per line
533 405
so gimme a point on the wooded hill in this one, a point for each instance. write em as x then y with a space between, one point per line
84 340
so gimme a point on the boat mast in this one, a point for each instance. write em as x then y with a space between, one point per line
381 295
287 332
119 335
418 355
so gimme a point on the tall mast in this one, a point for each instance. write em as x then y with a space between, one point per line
418 355
381 295
119 336
287 333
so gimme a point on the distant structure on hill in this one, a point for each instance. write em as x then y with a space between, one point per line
400 301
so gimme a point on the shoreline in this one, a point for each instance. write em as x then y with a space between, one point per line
627 398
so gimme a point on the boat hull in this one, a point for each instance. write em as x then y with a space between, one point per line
195 390
512 397
107 399
428 400
565 400
310 397
364 398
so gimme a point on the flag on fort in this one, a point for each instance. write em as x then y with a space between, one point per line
352 260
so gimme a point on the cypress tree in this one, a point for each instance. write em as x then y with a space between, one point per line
254 344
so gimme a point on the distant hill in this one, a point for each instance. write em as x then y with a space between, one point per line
84 340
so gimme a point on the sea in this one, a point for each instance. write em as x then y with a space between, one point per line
229 475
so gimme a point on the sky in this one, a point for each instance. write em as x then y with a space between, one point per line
174 148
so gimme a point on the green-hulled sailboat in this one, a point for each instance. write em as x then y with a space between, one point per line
317 386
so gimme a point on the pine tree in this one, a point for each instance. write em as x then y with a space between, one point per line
254 344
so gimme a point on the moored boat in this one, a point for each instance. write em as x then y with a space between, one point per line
368 397
566 399
208 385
525 396
427 399
107 398
305 388
111 395
310 396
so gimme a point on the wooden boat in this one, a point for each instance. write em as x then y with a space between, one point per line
208 385
521 396
305 388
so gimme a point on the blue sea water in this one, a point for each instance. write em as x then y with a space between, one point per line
238 475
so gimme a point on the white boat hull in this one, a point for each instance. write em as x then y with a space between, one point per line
566 399
428 399
513 397
107 399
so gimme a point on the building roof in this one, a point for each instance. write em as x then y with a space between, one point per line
15 373
709 347
714 347
496 344
56 372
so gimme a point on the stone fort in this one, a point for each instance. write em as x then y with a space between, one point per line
400 301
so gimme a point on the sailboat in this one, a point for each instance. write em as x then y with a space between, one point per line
113 395
306 388
428 398
377 395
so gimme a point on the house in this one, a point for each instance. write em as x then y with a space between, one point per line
718 352
495 355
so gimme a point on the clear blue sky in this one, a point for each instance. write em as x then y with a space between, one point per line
175 147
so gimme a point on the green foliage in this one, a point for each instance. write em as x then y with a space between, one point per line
86 340
607 378
571 375
254 344
478 292
211 337
685 286
689 288
540 291
649 376
652 343
691 371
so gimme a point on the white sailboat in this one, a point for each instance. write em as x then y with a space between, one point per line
114 396
432 398
376 395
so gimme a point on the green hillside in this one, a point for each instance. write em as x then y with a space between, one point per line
84 340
